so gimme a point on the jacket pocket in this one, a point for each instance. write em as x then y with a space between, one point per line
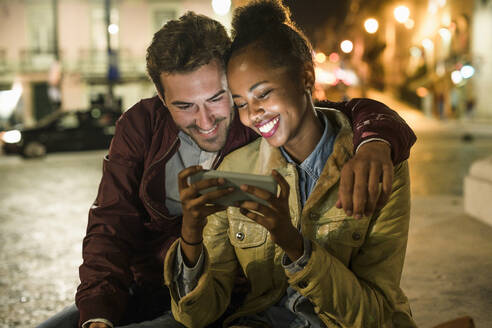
342 230
243 232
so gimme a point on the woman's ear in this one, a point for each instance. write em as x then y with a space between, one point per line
308 76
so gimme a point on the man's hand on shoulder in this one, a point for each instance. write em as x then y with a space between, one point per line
359 193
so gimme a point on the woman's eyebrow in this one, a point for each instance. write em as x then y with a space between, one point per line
254 86
257 84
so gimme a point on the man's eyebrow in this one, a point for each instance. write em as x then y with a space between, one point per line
178 103
216 95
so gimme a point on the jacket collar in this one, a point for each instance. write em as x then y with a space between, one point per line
271 157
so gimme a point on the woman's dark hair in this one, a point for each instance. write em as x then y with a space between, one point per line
267 24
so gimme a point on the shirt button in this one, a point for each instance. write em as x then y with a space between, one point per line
239 235
313 216
356 236
303 284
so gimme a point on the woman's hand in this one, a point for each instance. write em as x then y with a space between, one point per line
196 208
275 217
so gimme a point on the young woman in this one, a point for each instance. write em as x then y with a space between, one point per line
308 264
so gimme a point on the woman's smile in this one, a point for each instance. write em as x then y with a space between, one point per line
268 128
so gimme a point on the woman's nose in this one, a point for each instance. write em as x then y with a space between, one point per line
255 111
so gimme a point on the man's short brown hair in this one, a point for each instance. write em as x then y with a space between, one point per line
185 44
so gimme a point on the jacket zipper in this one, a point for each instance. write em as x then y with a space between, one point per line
147 202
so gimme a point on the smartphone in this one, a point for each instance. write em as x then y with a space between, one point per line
235 180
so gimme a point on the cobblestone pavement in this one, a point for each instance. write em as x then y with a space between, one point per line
43 215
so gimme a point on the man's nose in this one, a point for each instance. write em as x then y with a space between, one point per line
205 119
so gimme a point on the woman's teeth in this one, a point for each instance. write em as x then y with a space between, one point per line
268 126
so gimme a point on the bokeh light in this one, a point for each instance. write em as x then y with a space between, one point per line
402 13
320 57
347 46
371 25
221 7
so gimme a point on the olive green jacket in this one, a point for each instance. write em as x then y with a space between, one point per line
353 275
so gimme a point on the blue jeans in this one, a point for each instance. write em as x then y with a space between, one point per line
69 318
292 311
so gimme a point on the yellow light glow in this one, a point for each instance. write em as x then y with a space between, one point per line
445 34
428 44
324 76
446 19
422 92
409 24
433 7
320 57
402 13
221 7
371 25
347 46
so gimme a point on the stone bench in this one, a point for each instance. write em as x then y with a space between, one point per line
478 190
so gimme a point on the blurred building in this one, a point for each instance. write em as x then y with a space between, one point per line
482 51
439 58
435 54
426 50
56 51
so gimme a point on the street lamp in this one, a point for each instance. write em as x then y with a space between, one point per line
221 7
347 46
371 25
402 13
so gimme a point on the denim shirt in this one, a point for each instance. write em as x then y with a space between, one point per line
310 169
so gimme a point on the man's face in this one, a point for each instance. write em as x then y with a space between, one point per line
200 104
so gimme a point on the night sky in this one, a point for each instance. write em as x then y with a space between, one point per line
314 15
324 21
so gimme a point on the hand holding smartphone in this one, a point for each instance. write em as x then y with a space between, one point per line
235 180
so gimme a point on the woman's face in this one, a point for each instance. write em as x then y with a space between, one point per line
269 101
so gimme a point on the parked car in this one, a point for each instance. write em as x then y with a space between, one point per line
63 131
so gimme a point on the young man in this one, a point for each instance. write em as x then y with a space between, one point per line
137 213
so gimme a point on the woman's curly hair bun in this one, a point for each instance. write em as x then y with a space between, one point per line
260 16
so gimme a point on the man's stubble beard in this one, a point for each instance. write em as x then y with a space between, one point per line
201 144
